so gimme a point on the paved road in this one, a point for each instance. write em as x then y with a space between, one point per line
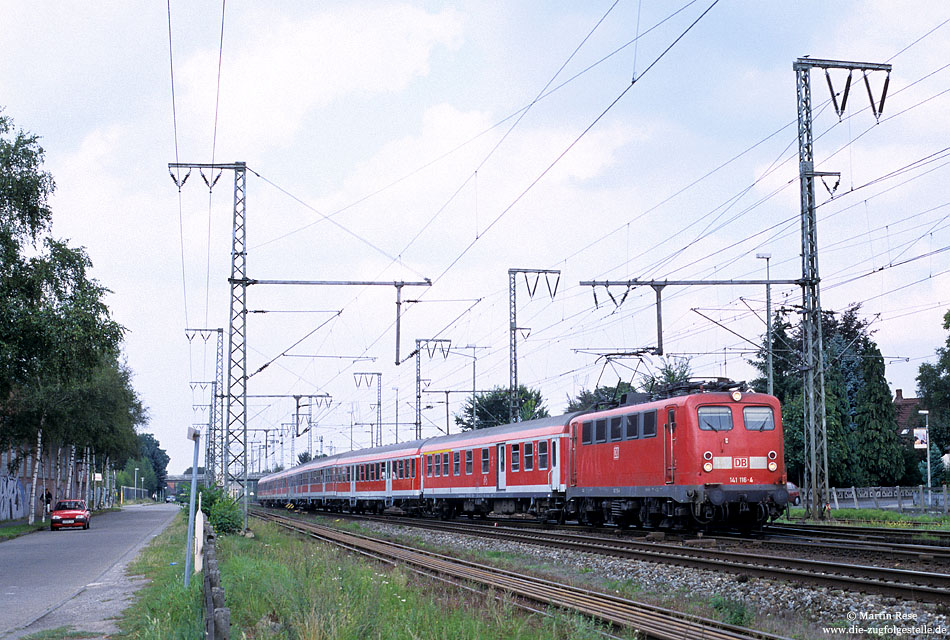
54 578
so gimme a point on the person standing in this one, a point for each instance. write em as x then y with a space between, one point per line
48 497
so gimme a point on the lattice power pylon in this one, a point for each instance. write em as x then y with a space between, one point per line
816 441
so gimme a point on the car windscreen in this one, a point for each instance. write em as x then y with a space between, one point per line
714 418
67 505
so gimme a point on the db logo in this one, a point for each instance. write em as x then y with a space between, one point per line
616 453
740 463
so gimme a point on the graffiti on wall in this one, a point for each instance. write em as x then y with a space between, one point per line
12 498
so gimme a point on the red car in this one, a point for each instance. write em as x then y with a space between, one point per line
69 513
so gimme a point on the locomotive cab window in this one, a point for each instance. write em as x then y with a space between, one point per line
649 425
758 418
587 433
715 418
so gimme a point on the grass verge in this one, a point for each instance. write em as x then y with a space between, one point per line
164 609
16 530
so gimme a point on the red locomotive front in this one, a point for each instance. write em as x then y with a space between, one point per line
697 458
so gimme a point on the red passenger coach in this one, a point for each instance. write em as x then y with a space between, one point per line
690 460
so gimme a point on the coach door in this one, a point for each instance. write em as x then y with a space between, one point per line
501 467
555 461
669 436
389 482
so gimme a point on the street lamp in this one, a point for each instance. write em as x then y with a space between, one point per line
768 320
926 414
135 485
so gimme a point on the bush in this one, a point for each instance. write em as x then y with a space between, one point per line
226 515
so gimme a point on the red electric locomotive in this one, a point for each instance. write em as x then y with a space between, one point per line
689 460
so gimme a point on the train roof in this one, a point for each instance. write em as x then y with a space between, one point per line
492 434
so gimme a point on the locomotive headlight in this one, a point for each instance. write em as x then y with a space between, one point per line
707 467
772 466
772 455
737 396
707 455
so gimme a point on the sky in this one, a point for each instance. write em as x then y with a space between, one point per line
453 141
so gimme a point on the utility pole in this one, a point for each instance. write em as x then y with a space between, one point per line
361 377
514 400
447 392
235 468
768 322
216 437
658 286
431 345
816 442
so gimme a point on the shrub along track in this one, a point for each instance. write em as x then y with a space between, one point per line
919 586
653 622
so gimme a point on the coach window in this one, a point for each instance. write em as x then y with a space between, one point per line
412 467
428 466
758 418
649 424
468 462
484 460
528 456
632 426
715 418
616 428
456 463
542 455
445 464
436 465
515 457
600 430
586 433
553 453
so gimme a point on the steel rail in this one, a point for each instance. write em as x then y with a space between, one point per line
898 583
655 622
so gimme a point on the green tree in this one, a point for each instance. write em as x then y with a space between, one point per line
149 449
933 389
786 361
491 408
303 457
879 456
672 369
58 341
587 399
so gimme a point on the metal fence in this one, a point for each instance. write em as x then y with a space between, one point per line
917 499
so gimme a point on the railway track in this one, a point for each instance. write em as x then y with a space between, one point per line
898 583
652 622
929 537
